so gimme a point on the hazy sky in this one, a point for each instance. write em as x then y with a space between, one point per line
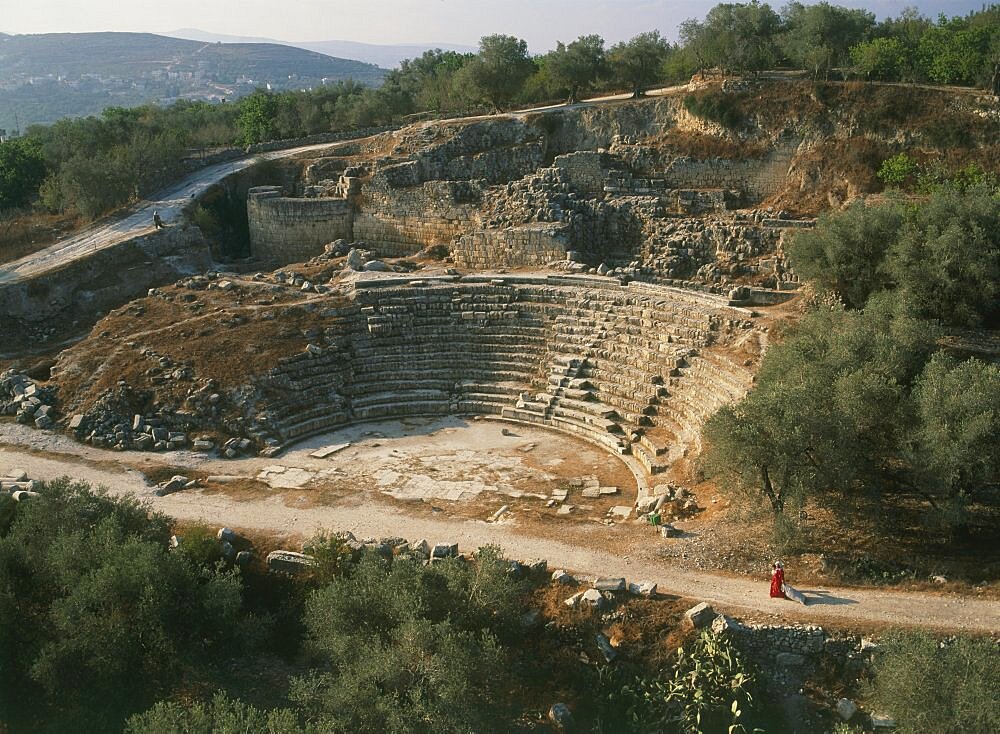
540 22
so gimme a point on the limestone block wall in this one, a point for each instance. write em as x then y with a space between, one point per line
283 229
585 170
755 178
515 247
85 288
400 221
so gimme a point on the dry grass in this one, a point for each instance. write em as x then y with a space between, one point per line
24 233
227 336
702 146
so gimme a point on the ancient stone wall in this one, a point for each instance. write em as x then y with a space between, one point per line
517 247
291 230
755 179
396 221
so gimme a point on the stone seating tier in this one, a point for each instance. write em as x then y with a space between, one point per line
620 366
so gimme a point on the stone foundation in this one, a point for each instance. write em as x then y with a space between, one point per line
291 230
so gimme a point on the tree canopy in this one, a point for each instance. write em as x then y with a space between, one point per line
575 68
98 615
861 399
497 73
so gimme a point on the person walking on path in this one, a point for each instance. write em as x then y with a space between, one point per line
778 581
157 222
780 589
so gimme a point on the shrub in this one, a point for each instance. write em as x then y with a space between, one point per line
201 546
846 250
408 648
207 221
106 618
898 171
332 554
710 688
222 715
930 686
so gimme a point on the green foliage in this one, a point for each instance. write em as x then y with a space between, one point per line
846 251
711 687
22 169
222 715
430 81
499 70
98 616
333 557
715 106
708 688
818 37
954 450
201 546
411 648
574 69
880 58
947 687
945 259
898 170
734 37
830 411
207 221
942 257
639 61
257 121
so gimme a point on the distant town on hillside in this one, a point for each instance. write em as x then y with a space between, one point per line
49 76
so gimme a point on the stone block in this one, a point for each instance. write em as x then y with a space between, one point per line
610 584
700 615
283 561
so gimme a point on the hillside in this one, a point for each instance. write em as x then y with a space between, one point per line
47 76
384 55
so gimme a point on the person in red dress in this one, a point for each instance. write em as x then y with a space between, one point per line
778 581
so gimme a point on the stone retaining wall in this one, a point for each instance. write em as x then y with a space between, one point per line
80 290
531 245
396 221
291 230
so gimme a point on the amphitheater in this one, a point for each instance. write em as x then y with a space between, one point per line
632 368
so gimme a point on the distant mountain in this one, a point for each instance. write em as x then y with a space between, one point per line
386 56
47 76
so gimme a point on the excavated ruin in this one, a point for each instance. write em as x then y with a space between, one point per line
591 270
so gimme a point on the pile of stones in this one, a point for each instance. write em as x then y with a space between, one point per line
232 547
603 591
111 423
16 484
115 422
715 250
32 405
668 500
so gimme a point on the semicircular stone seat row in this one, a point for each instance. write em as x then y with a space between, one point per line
625 367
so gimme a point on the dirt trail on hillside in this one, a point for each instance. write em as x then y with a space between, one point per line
47 456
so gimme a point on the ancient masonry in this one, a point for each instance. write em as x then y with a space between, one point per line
283 227
626 367
486 192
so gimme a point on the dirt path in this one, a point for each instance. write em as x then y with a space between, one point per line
46 456
139 220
